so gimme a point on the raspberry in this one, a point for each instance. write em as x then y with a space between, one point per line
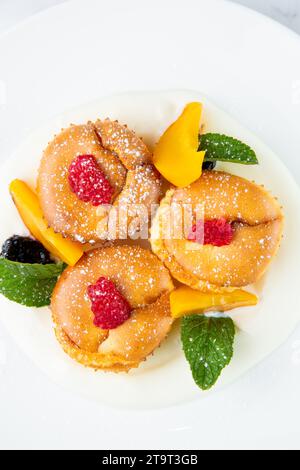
216 232
108 305
88 181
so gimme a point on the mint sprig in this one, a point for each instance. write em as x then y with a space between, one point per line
29 284
222 148
208 347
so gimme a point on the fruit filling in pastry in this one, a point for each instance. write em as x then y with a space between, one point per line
217 232
108 305
87 167
89 182
112 309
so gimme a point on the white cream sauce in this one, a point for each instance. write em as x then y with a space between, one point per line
165 378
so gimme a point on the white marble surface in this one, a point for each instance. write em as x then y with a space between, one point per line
286 12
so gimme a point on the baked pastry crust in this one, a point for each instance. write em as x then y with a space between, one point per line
142 279
258 226
124 159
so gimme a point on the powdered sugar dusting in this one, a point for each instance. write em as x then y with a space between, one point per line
137 274
257 223
118 152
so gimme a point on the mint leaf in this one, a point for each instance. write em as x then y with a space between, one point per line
226 149
208 347
29 284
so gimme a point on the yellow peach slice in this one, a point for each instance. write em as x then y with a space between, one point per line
187 301
175 155
31 213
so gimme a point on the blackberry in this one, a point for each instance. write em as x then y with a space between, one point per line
25 250
209 165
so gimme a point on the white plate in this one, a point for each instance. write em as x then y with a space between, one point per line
261 329
213 46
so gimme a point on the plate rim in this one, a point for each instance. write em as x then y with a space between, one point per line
193 405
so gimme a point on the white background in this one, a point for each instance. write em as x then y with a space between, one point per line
286 12
60 419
